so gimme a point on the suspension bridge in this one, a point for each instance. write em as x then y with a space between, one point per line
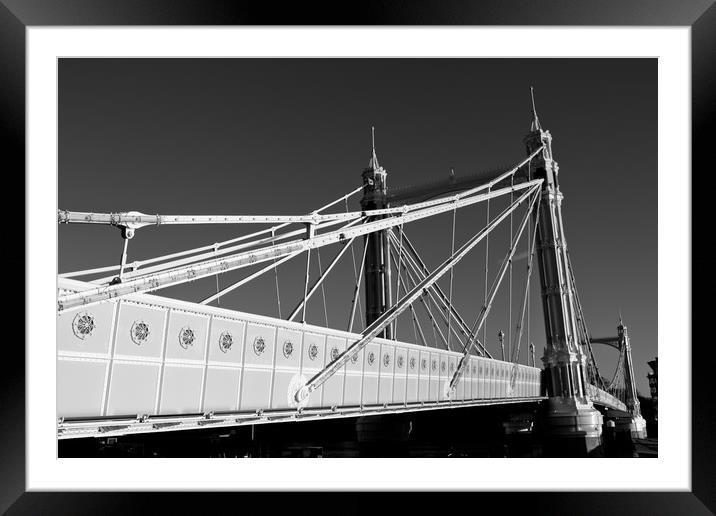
131 361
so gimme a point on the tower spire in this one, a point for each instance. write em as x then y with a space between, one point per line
374 158
535 118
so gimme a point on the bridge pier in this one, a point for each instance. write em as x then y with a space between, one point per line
623 422
570 428
569 424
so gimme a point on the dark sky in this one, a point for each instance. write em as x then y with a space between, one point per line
285 136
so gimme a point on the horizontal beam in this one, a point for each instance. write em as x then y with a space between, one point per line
118 426
135 219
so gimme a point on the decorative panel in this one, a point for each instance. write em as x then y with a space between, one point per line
181 389
133 388
140 331
226 341
80 386
221 389
86 330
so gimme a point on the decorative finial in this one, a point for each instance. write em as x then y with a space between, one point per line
535 119
374 158
620 318
452 173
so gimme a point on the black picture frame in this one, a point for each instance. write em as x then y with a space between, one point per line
17 15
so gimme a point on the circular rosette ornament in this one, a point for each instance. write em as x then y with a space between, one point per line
288 349
83 325
371 358
259 346
186 337
386 360
226 340
139 332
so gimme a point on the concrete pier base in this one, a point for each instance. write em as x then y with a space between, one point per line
626 423
638 428
570 428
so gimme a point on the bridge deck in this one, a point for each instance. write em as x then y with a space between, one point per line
148 363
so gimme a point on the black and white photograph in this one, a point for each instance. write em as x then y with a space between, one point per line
336 251
357 257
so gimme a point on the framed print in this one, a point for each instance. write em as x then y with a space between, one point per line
430 163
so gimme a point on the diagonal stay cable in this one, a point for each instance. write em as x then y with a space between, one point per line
416 264
485 310
377 326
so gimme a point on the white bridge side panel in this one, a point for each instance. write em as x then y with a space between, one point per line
333 388
133 389
258 366
148 355
413 375
221 389
387 372
353 384
424 376
81 386
370 374
289 345
84 332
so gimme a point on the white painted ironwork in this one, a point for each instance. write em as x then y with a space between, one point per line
210 267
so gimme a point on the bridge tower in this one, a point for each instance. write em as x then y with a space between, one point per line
638 423
568 418
378 294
